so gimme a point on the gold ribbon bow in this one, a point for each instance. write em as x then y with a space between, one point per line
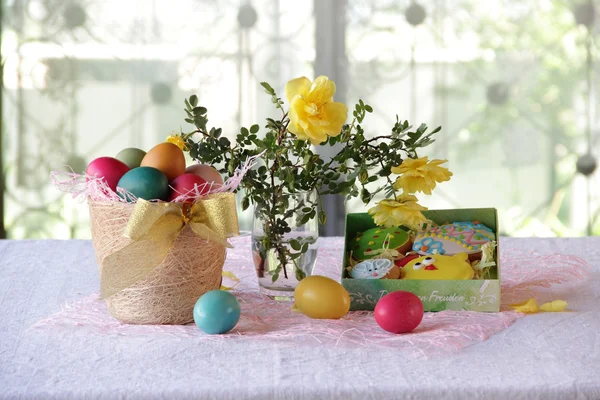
153 227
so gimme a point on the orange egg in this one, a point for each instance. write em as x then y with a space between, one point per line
206 172
167 158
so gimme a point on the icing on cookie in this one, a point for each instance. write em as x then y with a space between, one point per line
380 243
438 267
454 238
372 269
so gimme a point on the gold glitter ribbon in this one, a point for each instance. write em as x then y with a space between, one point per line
153 227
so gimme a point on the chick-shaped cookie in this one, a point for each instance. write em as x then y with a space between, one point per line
438 267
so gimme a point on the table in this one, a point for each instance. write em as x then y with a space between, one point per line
545 356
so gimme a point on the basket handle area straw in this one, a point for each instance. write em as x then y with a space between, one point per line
153 228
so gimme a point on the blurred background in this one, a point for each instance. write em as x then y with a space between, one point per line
513 83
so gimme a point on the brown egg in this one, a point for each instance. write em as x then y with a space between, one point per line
206 172
167 158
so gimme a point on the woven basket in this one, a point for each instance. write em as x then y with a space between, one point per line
168 294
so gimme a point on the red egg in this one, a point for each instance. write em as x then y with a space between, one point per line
206 172
399 312
183 184
108 168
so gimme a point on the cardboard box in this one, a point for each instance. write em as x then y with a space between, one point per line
436 295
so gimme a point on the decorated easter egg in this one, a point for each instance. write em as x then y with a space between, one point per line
166 157
206 172
321 297
108 168
437 266
399 312
216 312
457 237
380 242
185 183
131 157
146 183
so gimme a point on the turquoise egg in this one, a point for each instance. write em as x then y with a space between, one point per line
131 157
146 183
216 312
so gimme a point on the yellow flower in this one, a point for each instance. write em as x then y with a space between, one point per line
313 113
404 210
178 141
420 175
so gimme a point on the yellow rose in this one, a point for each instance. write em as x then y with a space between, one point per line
313 113
420 175
178 141
404 210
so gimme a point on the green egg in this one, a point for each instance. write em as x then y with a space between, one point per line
146 183
131 157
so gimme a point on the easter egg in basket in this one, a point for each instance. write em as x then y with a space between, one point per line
109 169
131 156
185 184
167 158
206 172
146 183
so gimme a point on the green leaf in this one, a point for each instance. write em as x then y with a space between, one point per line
200 110
254 128
295 244
300 274
322 218
268 88
245 203
193 100
368 108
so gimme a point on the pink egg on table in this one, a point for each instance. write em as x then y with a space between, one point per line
183 184
206 172
399 312
108 168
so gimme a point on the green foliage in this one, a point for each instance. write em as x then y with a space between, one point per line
289 165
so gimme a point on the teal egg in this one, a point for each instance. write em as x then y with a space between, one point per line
131 157
146 183
216 312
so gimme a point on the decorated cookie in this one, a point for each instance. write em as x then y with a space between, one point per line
374 269
454 238
380 243
438 267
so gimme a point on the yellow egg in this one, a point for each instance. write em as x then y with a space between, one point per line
321 297
206 172
167 158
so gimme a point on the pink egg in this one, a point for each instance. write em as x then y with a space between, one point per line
206 172
399 312
183 184
108 168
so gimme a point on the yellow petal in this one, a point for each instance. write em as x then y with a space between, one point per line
554 306
230 275
335 114
528 307
298 86
321 91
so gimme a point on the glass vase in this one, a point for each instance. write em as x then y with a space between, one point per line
284 243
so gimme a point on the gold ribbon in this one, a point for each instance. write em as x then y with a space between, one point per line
153 227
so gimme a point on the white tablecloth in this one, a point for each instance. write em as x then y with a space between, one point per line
545 356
